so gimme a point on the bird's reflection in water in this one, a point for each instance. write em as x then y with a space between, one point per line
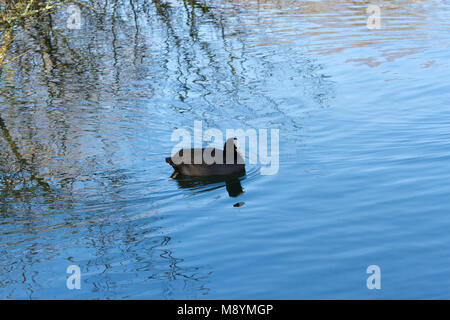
204 184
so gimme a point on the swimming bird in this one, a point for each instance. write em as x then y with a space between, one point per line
208 161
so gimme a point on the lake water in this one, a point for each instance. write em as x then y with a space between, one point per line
364 152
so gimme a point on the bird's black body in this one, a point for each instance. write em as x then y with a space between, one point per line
208 161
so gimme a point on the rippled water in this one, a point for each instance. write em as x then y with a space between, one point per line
86 122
